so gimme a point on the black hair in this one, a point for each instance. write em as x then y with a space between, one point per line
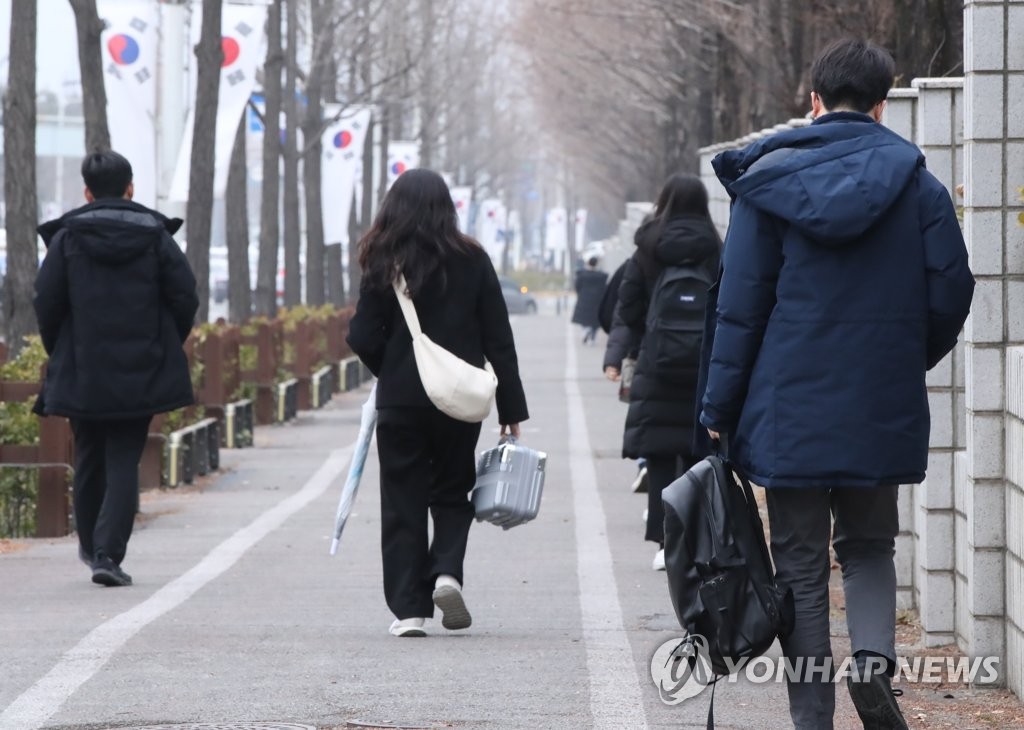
592 261
106 174
415 230
682 194
852 73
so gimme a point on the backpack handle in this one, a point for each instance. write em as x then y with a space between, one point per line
721 446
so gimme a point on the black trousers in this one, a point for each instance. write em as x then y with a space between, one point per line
427 469
661 471
106 485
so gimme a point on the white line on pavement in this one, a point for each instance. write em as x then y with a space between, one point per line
615 699
40 701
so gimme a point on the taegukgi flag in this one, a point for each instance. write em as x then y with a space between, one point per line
129 50
242 40
462 197
343 142
402 156
490 228
581 228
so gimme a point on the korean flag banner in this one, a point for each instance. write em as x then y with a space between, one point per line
342 146
243 40
402 156
462 197
129 50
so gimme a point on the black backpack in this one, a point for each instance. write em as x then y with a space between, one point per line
719 573
675 324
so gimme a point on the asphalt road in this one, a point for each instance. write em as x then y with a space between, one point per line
238 613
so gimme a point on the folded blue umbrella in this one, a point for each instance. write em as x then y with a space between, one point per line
355 472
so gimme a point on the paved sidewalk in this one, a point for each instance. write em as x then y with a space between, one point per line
238 614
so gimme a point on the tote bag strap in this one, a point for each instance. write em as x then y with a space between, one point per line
412 320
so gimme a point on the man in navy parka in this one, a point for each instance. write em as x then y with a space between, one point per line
845 278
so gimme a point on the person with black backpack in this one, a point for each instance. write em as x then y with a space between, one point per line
662 298
845 279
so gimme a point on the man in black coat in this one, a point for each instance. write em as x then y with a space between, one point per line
115 300
590 285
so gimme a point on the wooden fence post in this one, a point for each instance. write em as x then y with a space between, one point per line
52 506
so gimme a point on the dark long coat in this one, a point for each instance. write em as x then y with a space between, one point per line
590 285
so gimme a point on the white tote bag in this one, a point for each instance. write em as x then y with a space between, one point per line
458 389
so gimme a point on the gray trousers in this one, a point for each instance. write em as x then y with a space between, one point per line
864 538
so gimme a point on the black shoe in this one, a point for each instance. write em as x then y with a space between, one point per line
875 700
106 572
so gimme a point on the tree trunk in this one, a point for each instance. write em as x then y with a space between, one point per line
292 263
236 212
199 212
311 162
428 98
20 178
335 281
270 190
90 63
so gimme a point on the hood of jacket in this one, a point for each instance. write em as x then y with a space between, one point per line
684 240
831 180
112 230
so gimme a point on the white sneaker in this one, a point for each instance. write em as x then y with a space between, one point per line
407 627
448 598
659 560
644 518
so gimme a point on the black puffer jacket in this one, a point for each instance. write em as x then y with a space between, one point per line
115 299
660 421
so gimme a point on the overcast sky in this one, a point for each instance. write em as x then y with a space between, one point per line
56 49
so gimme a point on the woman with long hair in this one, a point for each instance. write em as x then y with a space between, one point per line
427 459
663 398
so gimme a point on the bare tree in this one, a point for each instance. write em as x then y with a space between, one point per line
20 177
199 212
321 12
90 63
292 263
236 213
270 190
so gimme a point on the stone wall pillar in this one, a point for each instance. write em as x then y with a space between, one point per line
901 117
939 130
994 161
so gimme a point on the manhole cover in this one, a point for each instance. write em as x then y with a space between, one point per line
223 726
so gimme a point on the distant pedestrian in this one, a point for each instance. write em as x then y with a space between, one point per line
427 459
590 284
845 279
662 300
115 299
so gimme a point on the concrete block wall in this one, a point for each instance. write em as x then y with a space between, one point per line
901 117
989 621
937 128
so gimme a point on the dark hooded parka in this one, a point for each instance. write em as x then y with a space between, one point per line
660 420
115 299
845 279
